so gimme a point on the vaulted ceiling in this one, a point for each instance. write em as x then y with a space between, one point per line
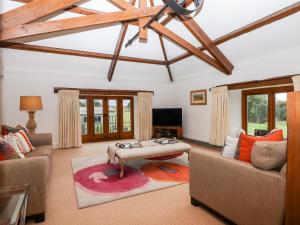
217 18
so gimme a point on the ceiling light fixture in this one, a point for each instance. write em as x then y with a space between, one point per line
178 6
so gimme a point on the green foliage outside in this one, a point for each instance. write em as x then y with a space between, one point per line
258 113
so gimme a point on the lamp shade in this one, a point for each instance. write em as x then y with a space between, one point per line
31 103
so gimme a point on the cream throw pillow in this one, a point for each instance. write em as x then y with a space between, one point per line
269 155
230 147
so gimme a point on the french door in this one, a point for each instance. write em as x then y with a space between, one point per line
106 118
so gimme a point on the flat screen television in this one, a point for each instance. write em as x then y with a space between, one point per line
167 117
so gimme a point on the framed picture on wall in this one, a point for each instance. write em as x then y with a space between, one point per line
199 97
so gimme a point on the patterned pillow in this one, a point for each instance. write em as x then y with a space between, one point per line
5 130
23 141
269 155
11 140
6 151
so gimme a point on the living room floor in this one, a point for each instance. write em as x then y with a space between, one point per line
170 206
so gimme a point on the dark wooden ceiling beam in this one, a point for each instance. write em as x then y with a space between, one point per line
165 57
204 39
118 48
117 51
61 51
183 43
32 11
281 14
91 21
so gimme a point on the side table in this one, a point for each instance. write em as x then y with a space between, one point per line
13 204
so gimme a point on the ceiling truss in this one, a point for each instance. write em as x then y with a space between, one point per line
30 22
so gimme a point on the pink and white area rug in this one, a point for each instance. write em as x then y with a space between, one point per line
97 182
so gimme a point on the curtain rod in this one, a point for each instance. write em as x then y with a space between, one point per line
260 83
103 91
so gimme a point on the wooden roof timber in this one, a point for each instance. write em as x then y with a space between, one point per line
203 38
165 57
91 21
33 11
163 48
122 6
60 51
132 13
162 30
80 10
285 12
183 43
118 48
143 35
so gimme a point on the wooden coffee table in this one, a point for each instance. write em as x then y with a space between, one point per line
149 149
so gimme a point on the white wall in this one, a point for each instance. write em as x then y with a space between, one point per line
27 73
197 119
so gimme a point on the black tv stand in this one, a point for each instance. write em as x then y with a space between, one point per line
167 131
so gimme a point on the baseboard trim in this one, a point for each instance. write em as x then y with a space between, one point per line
202 143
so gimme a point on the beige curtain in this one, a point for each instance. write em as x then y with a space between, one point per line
296 81
219 115
69 119
144 115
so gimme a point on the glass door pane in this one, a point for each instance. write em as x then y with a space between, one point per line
98 116
280 112
126 115
112 116
83 116
257 112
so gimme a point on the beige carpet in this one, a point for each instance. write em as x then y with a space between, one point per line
169 206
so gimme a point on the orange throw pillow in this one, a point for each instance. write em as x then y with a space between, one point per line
247 142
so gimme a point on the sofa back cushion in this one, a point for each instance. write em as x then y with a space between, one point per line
269 155
247 143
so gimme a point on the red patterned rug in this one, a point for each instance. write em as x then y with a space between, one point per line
97 182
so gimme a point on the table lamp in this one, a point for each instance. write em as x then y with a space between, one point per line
31 104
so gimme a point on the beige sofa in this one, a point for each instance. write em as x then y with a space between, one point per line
236 190
33 170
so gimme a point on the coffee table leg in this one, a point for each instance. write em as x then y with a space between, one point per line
121 168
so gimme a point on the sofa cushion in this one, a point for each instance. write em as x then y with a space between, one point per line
44 150
5 130
12 141
230 147
24 141
283 171
7 151
247 142
268 155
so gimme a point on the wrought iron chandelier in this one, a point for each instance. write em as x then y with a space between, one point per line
178 6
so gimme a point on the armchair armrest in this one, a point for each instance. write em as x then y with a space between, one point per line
33 171
40 139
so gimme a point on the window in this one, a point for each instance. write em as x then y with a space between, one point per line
126 115
106 117
83 116
265 109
